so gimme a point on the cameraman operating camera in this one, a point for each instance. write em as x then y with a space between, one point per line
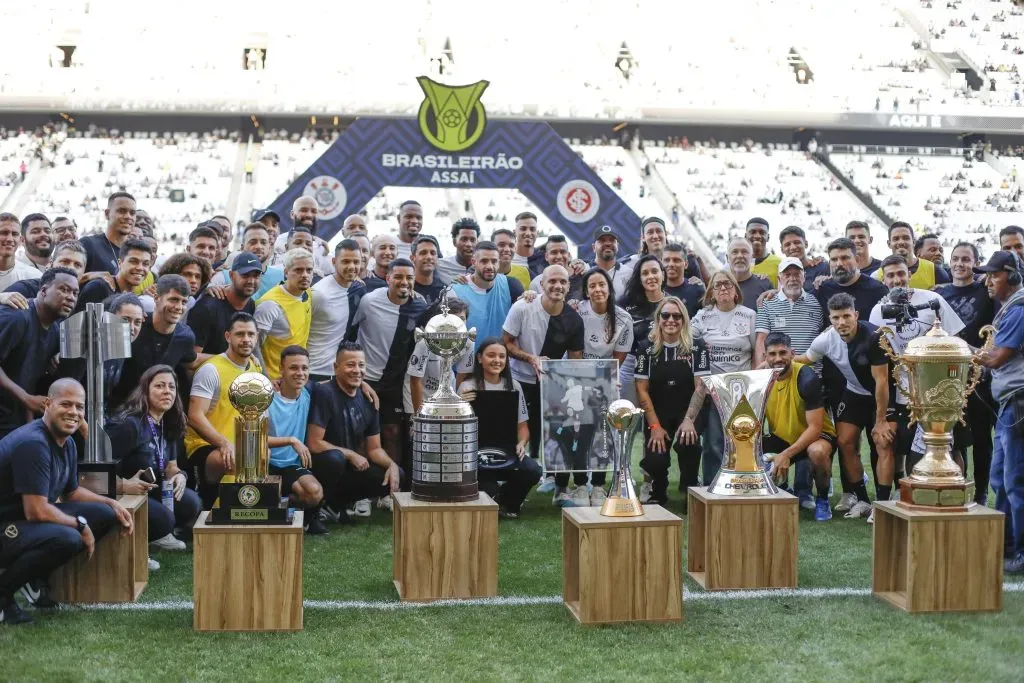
909 313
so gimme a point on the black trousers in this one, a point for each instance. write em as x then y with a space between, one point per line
980 420
657 464
531 393
344 484
33 550
510 486
162 521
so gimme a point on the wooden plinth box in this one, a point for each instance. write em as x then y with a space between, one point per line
118 570
445 551
618 569
937 561
247 577
736 543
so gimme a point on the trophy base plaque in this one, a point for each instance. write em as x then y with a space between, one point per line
444 458
98 477
615 506
936 497
250 503
743 484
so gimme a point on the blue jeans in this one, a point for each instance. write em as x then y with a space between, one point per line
1007 478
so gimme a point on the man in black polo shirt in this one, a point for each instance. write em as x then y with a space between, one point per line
425 253
163 340
344 437
29 339
103 248
210 318
859 232
38 466
133 267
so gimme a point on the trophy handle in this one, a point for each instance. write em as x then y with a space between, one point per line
883 341
898 364
988 333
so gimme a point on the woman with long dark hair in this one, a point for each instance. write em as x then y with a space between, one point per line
148 432
645 289
520 473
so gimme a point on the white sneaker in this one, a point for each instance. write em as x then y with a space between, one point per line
598 496
153 564
646 490
871 517
846 502
860 509
547 485
384 503
562 499
361 508
581 497
169 542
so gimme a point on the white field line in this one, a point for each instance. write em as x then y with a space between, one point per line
516 600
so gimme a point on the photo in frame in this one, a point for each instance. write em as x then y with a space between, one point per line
574 398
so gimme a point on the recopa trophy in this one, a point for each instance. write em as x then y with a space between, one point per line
740 398
625 419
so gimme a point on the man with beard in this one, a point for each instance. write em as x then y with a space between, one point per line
38 468
29 339
410 222
428 284
163 339
68 254
793 240
384 249
741 258
64 229
102 249
134 263
1011 238
537 330
11 269
465 234
488 293
304 216
505 240
676 283
256 240
556 253
923 273
847 278
526 235
210 439
606 251
764 264
859 233
383 326
335 301
210 317
283 315
37 236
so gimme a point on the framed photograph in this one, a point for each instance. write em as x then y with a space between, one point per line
574 398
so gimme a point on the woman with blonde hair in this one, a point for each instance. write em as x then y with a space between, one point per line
665 372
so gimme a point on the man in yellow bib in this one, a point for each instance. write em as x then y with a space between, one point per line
923 273
800 427
284 313
765 263
210 439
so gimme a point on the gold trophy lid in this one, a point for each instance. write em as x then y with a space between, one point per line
937 344
251 394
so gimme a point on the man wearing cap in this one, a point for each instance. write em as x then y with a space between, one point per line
211 316
606 249
1003 274
765 264
256 241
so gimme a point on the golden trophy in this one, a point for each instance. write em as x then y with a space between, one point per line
740 398
250 495
625 419
941 372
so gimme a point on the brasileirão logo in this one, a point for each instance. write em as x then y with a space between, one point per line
452 118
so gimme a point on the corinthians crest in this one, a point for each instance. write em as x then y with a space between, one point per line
452 118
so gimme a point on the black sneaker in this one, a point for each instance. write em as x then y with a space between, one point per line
12 614
37 594
315 526
507 514
1014 565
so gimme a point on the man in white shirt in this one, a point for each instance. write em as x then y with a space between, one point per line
12 270
335 300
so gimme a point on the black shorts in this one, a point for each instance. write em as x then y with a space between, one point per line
392 409
197 463
856 409
773 444
289 475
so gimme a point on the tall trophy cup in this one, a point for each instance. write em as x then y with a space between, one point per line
740 399
250 495
941 372
444 435
625 419
96 336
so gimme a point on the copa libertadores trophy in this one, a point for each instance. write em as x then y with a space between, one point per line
97 336
740 398
941 372
625 419
444 434
249 495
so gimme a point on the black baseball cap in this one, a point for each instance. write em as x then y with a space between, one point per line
246 262
263 213
999 262
605 230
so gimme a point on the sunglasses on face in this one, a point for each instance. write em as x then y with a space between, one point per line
722 286
665 315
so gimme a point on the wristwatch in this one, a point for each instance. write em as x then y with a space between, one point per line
83 523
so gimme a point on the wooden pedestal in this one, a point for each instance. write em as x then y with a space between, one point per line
622 568
118 570
247 577
937 561
737 542
445 550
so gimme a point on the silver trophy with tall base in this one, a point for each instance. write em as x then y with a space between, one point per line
444 433
740 398
96 336
625 419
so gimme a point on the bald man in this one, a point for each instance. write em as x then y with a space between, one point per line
537 330
304 215
353 225
38 466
